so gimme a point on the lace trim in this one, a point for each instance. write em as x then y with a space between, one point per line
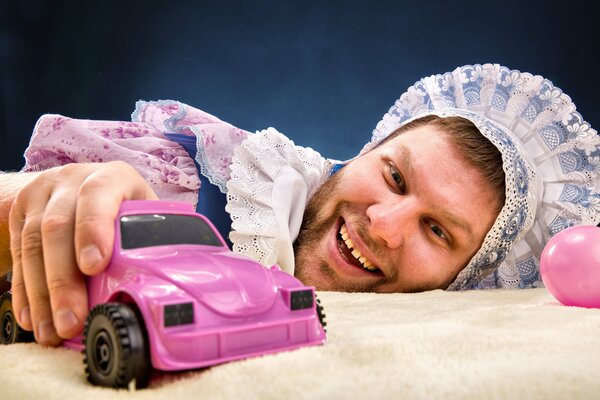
256 166
170 123
559 147
201 158
215 139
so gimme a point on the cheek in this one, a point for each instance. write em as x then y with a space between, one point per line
425 262
360 180
417 257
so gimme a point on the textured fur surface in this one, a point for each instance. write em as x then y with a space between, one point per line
500 344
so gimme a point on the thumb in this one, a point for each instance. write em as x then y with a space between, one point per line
98 205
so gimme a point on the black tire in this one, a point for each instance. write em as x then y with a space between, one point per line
10 331
115 347
321 315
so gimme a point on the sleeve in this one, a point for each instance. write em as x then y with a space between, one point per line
216 140
142 143
165 165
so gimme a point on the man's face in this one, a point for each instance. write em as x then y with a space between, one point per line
406 216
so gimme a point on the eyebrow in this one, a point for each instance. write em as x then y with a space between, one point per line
458 222
405 157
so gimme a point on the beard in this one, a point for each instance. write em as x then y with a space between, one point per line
317 221
320 215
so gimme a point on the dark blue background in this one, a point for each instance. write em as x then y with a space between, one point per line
323 72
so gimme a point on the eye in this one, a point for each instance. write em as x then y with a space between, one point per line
437 231
397 179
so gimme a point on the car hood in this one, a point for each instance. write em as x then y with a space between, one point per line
227 283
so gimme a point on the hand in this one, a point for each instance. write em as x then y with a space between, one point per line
62 227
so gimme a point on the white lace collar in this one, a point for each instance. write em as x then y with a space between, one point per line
271 182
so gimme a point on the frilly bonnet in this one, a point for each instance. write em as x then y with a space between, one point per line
550 155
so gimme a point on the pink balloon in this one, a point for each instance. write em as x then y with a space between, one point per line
570 266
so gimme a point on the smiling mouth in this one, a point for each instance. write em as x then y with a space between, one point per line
351 254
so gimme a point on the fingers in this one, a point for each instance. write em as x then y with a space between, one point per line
19 295
65 283
30 293
97 209
62 224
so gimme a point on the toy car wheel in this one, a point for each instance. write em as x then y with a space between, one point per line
10 331
115 347
321 315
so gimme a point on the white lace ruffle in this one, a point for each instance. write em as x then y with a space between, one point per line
271 182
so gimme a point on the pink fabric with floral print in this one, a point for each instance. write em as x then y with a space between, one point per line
164 164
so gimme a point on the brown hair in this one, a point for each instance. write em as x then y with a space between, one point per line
471 144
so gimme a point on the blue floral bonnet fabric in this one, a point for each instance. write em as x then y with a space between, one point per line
551 160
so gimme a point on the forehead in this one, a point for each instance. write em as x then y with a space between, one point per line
422 141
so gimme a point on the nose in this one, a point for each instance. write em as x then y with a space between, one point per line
393 221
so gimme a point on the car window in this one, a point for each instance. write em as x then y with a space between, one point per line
165 229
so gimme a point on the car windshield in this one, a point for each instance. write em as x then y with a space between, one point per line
165 229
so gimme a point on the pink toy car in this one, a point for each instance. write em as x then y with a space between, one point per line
175 297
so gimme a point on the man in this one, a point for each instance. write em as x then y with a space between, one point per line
415 211
399 218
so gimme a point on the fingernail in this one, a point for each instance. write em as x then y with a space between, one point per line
89 257
46 331
65 320
25 317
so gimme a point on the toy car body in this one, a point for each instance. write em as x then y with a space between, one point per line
174 296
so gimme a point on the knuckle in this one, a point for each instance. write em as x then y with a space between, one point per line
31 237
114 175
69 169
38 299
44 180
18 289
96 182
59 284
88 223
15 247
72 171
19 205
123 170
55 224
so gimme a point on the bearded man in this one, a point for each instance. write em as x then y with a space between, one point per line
465 179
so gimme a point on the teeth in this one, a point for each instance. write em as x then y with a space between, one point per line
345 234
368 265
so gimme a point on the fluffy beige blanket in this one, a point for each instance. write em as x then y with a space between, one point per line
436 345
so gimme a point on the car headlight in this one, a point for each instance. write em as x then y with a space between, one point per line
301 299
178 314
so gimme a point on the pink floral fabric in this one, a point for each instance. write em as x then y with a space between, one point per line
59 140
